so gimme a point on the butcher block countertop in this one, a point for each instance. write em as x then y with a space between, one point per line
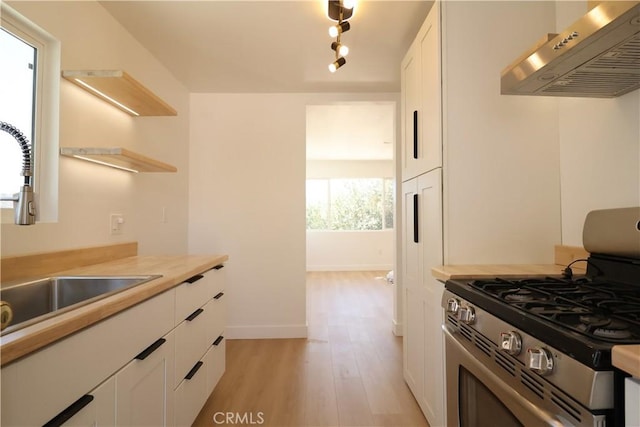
446 272
627 358
174 270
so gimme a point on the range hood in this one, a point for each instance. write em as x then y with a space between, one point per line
598 56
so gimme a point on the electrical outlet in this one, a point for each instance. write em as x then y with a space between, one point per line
116 223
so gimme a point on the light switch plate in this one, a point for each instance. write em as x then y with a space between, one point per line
116 223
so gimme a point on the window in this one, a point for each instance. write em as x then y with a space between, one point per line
350 204
29 100
17 83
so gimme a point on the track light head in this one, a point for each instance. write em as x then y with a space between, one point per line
337 64
340 49
348 4
340 10
340 28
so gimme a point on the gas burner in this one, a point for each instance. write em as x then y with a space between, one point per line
548 309
620 306
594 320
523 295
604 327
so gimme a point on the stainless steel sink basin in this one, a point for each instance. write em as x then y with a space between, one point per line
34 301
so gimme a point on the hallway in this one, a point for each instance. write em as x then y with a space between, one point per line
347 373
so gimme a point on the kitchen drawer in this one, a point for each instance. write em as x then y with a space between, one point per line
196 291
215 362
192 340
218 278
217 316
191 395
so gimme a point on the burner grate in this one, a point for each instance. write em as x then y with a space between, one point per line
600 310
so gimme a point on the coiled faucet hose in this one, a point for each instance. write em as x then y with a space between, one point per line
27 158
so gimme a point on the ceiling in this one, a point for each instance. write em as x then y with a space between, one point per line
273 46
267 46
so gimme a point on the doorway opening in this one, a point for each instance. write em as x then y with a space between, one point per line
351 190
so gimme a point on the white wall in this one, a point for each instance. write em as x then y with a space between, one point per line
350 250
247 199
501 155
88 194
599 149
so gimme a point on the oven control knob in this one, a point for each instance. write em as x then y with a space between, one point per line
511 343
453 305
466 314
540 360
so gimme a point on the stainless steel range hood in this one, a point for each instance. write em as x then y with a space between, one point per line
598 56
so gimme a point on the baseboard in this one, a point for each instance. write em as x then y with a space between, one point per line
355 267
265 332
396 328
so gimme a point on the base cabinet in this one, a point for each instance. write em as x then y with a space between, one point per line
132 357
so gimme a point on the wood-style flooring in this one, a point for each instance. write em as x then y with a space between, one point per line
348 372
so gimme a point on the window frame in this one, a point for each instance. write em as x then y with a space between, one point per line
385 196
45 143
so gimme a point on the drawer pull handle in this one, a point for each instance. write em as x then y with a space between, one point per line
194 314
218 340
218 267
71 410
416 224
219 295
153 347
415 134
194 278
193 370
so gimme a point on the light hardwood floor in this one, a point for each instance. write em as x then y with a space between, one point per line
348 372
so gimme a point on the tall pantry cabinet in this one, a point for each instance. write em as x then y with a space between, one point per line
480 170
421 157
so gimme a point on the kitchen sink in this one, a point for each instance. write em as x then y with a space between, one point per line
37 300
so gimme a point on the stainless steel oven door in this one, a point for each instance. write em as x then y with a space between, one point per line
478 397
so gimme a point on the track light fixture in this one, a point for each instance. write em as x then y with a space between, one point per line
341 11
337 64
340 49
339 28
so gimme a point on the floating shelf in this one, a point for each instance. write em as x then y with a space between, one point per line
119 158
121 90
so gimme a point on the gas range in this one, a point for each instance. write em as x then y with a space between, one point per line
549 339
582 317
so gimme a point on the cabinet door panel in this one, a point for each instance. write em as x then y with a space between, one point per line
413 341
143 392
430 123
411 113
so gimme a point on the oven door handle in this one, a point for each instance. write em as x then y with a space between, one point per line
495 383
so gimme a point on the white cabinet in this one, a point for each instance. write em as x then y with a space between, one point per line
144 387
632 397
421 100
199 345
134 369
422 250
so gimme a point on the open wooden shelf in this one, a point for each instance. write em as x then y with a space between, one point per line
120 90
119 158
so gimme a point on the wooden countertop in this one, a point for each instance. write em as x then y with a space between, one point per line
446 272
627 358
174 270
